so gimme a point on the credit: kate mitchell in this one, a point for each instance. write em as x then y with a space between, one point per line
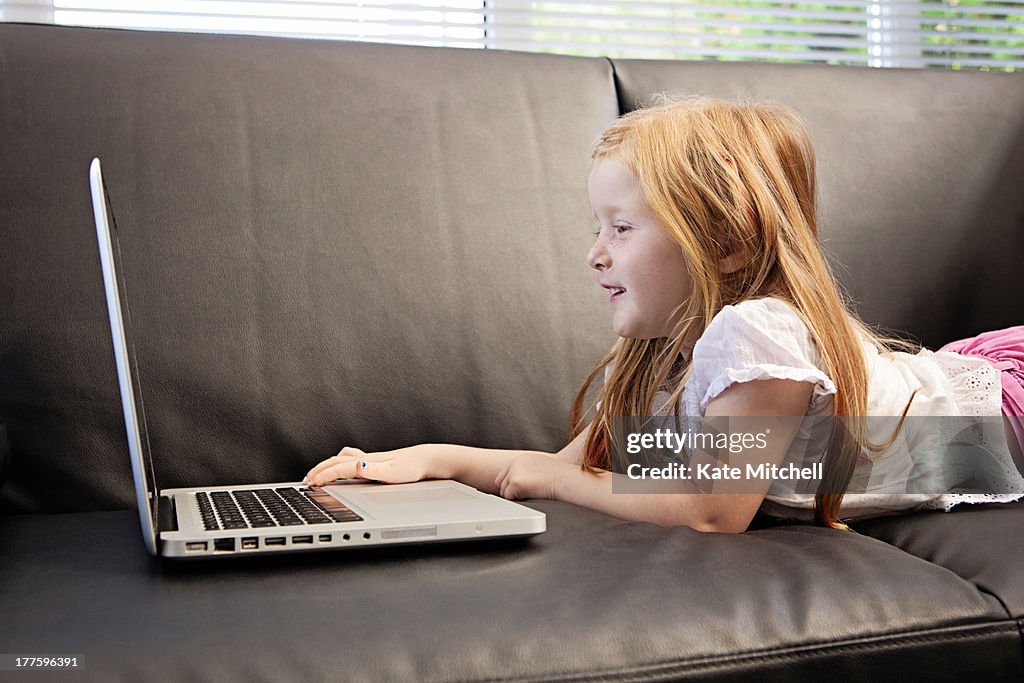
762 471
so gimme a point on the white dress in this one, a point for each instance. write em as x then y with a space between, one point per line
766 338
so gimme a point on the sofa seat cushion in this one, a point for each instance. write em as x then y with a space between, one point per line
983 544
594 596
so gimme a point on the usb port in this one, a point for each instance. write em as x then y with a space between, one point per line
224 544
301 539
274 540
250 543
196 546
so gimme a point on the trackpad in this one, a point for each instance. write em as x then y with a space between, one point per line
444 494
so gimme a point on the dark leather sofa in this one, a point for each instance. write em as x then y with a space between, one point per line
331 243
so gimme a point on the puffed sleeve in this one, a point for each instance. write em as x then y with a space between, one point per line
757 339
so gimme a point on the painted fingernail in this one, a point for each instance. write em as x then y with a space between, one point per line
362 463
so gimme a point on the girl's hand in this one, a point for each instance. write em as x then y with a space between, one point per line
531 475
393 467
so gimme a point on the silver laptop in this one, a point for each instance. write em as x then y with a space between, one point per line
223 521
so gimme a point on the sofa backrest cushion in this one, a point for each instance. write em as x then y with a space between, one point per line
325 244
919 175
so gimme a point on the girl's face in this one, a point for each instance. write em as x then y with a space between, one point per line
643 271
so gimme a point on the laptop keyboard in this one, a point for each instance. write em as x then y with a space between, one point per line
287 506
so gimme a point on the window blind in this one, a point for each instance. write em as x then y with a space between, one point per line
426 22
948 34
897 33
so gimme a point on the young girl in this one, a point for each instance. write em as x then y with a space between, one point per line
707 245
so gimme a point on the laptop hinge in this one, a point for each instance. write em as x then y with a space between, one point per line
167 514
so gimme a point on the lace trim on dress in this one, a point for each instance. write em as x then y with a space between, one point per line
947 501
976 383
978 387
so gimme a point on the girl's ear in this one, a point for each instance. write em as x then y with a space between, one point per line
727 265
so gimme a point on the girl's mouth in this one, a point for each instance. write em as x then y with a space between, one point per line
616 293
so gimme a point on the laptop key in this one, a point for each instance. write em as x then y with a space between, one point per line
230 516
309 511
206 511
253 509
337 510
278 508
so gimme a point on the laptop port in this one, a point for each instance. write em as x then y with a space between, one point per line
224 544
345 537
250 543
195 547
367 535
325 538
301 539
274 540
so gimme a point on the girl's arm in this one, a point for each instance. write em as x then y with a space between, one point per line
477 467
527 477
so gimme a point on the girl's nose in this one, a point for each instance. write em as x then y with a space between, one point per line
597 257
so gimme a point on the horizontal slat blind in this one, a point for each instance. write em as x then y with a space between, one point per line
456 23
952 34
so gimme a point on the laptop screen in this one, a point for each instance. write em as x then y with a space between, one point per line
124 356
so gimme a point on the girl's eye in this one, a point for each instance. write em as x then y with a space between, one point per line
619 229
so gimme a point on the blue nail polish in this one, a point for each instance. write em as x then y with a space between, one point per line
362 463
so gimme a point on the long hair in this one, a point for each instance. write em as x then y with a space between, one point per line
722 177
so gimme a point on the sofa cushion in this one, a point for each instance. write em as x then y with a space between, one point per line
592 597
979 543
918 181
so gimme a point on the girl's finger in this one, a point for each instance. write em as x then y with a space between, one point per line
320 467
347 454
347 469
499 481
342 470
391 471
325 464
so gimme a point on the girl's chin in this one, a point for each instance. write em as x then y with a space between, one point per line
632 333
630 329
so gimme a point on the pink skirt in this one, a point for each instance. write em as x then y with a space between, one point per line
1004 349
